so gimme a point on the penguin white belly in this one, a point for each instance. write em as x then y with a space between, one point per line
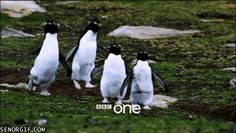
112 77
142 86
84 61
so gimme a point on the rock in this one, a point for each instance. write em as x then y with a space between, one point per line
18 9
160 101
65 2
232 83
19 85
105 17
231 45
230 69
211 20
148 32
163 101
10 32
3 91
41 122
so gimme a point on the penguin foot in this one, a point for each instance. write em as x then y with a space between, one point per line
34 88
146 107
89 85
105 100
77 85
45 93
119 102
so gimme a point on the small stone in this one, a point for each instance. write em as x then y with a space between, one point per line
230 69
105 17
3 91
232 83
211 20
41 122
231 45
65 2
190 116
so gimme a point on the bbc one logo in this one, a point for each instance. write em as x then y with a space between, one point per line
120 108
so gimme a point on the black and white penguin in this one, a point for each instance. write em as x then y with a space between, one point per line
83 55
142 78
37 49
46 63
113 75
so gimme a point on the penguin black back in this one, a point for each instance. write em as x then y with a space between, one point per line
115 49
142 55
50 27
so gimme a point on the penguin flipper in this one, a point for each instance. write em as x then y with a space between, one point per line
125 82
30 52
64 64
71 53
102 51
160 81
97 70
127 69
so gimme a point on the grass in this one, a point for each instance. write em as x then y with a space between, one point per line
191 64
68 114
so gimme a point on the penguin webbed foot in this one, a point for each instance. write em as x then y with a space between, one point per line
146 107
105 100
89 85
77 85
119 102
45 93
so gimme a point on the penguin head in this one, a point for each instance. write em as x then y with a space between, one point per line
114 49
142 55
94 25
51 27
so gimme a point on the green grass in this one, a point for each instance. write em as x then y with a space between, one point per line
68 114
191 65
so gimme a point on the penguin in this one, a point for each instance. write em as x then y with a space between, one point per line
83 55
37 49
142 77
42 74
113 74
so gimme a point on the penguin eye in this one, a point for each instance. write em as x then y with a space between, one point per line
95 23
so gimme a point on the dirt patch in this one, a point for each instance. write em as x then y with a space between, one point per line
217 15
13 76
64 86
227 112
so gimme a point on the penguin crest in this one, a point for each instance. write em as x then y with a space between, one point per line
142 55
114 49
50 27
94 25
